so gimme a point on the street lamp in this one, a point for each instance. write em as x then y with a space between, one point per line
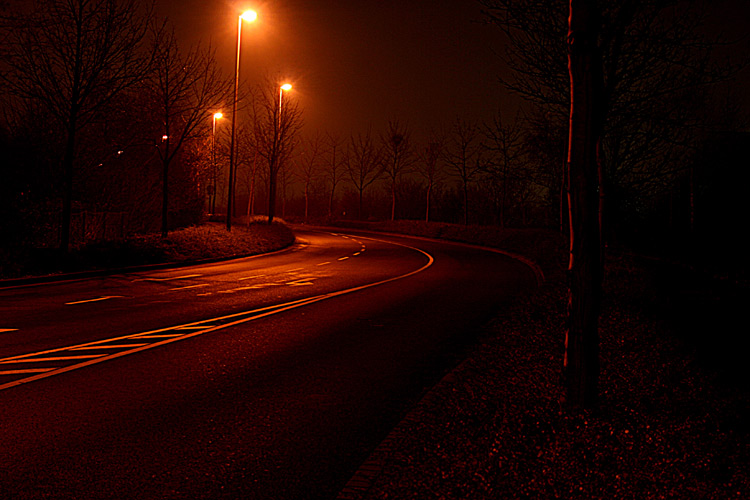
248 16
276 155
284 88
216 116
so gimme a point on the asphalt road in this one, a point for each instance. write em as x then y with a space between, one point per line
271 377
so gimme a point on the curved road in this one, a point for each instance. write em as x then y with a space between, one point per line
265 377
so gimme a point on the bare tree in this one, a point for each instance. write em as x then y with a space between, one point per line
462 154
398 157
429 167
334 167
75 57
307 166
363 164
656 62
247 155
505 164
188 88
638 66
276 126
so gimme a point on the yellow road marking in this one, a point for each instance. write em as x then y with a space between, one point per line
252 277
109 346
30 370
189 286
93 300
184 277
242 317
56 358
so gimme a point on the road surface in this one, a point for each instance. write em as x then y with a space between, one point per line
266 377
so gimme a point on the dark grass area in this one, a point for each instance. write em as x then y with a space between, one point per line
672 422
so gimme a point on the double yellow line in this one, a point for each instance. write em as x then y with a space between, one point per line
195 329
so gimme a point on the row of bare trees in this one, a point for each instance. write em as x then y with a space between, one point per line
488 165
121 111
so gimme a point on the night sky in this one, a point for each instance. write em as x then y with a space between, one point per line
360 63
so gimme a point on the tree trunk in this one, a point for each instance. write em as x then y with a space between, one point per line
330 201
272 195
427 209
67 199
393 201
307 200
466 203
165 192
585 265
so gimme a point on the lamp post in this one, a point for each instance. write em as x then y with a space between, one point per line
216 116
276 156
248 16
282 89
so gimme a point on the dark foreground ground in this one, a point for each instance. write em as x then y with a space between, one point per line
674 415
673 419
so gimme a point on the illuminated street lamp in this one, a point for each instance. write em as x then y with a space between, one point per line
216 116
248 16
284 88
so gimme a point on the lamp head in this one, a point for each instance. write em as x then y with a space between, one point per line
249 16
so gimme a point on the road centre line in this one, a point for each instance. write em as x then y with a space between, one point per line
232 320
252 277
5 330
324 263
343 258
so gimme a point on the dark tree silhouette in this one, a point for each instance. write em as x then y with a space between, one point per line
276 125
364 164
74 57
334 167
307 166
187 88
462 153
505 163
398 157
656 62
429 167
644 64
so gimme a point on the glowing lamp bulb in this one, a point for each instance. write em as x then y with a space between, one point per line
249 16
